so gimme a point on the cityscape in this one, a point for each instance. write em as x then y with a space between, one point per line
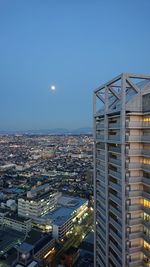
46 200
74 133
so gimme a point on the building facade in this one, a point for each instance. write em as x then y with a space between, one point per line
37 202
122 172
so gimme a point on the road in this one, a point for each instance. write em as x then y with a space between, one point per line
74 239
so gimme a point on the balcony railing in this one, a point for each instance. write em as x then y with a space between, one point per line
116 249
134 207
116 224
134 179
113 258
146 180
134 249
146 167
100 137
134 152
134 221
135 263
114 125
116 199
116 187
134 235
134 165
114 137
100 126
115 236
115 211
146 152
114 149
100 156
115 174
133 138
115 161
134 193
134 124
146 194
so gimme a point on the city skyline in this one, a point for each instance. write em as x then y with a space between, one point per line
73 45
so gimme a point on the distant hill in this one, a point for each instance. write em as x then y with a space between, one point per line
84 130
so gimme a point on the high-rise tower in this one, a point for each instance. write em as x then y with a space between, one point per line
122 172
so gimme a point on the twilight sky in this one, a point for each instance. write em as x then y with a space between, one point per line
73 44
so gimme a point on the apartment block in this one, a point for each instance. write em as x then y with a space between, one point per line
122 172
37 202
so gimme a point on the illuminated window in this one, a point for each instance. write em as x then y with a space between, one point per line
146 203
146 119
146 161
146 245
146 217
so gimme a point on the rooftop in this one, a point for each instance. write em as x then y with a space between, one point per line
60 215
63 213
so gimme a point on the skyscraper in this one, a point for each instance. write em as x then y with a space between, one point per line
122 171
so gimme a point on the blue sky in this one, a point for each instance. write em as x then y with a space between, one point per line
74 44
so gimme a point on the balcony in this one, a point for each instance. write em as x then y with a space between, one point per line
116 187
146 167
101 178
115 211
114 149
100 156
100 137
134 193
100 126
134 207
134 165
114 125
112 257
116 199
146 223
98 146
115 161
116 249
135 263
135 235
134 124
146 237
114 138
133 138
115 223
146 124
134 249
134 179
134 221
115 174
115 236
138 124
145 152
134 152
145 138
146 181
146 194
146 252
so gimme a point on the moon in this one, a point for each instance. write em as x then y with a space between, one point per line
53 87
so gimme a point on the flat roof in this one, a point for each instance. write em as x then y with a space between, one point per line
17 218
68 205
25 247
72 202
59 216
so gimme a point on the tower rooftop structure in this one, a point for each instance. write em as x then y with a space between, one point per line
121 113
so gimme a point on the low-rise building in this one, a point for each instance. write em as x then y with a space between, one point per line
62 219
17 223
37 202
